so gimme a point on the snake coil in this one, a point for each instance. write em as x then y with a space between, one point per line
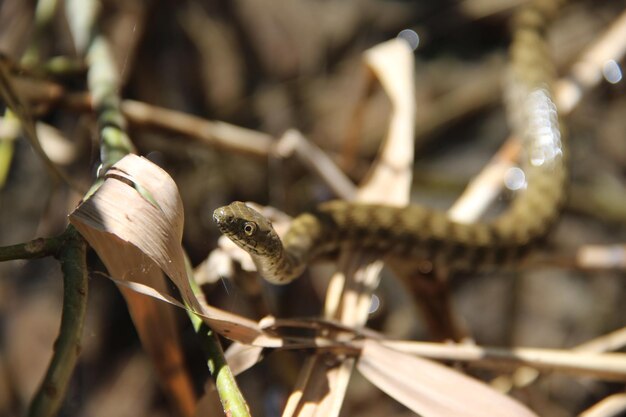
416 233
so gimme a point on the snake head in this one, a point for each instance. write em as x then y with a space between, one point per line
248 229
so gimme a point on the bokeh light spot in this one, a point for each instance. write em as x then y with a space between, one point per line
411 37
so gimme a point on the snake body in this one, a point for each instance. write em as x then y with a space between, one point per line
415 233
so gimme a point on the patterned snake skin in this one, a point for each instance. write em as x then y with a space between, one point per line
416 233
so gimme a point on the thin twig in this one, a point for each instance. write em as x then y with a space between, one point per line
586 72
37 248
610 366
318 162
613 341
485 187
21 111
218 134
49 397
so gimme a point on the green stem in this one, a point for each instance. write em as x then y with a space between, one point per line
104 86
232 399
72 256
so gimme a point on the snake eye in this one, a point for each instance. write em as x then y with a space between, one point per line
249 228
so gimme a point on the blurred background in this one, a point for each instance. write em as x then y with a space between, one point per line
271 66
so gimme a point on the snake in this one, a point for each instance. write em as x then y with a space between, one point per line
416 233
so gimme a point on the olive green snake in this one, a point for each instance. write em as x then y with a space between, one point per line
415 233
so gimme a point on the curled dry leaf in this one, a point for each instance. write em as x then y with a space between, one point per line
431 389
107 220
134 222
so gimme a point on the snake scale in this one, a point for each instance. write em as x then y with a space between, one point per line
415 233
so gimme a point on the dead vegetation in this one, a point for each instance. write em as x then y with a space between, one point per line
286 103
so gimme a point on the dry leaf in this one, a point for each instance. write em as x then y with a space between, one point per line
134 221
431 389
108 220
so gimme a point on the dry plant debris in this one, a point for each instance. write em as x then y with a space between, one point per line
286 103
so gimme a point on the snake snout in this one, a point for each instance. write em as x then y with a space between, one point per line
220 216
218 213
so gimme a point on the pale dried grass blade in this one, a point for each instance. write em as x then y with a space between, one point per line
348 300
602 256
610 366
364 278
611 406
389 180
317 161
612 341
486 186
59 148
431 389
587 70
216 267
322 386
81 15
